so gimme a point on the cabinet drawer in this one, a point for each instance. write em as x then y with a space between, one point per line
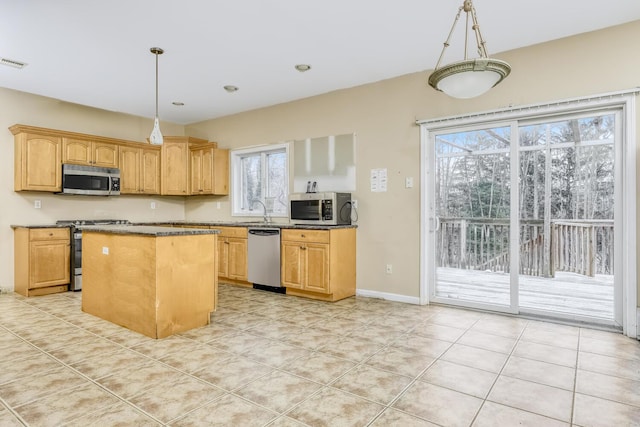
317 236
49 234
239 232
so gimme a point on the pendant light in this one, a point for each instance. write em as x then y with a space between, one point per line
156 135
470 77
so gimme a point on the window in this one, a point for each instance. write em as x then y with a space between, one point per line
260 176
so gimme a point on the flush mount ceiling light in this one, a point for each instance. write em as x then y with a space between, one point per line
231 88
303 67
178 103
156 135
470 77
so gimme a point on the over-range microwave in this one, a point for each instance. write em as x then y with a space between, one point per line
327 208
90 180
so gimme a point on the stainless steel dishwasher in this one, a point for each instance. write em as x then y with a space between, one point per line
264 259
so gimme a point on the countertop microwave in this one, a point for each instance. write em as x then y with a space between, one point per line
327 208
90 180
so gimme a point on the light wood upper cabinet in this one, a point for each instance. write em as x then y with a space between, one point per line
139 170
209 170
91 153
175 168
42 257
38 165
182 166
319 264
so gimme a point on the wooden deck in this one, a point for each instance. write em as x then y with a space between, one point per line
567 293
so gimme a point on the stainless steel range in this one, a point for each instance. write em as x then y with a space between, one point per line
76 245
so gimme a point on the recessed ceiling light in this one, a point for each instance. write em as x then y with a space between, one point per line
12 63
231 88
178 103
303 67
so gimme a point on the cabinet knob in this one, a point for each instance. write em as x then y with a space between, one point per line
303 236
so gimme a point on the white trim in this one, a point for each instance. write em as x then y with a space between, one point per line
424 227
388 296
638 322
540 109
629 218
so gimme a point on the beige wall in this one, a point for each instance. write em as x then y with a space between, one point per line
381 114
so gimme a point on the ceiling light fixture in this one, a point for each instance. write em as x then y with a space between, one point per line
470 77
178 103
231 88
156 135
303 67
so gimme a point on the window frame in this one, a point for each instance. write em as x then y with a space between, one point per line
236 178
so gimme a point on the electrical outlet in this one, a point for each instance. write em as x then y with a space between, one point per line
218 205
153 205
105 250
354 203
37 204
389 269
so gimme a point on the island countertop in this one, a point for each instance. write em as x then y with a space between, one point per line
147 230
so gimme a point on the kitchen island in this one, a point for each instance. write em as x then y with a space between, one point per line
157 281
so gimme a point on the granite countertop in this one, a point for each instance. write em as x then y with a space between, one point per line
147 230
39 226
251 224
161 228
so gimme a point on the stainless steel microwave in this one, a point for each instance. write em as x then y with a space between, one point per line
90 180
327 208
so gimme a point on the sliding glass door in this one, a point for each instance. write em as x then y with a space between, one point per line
522 216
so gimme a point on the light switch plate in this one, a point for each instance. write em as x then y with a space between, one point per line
408 182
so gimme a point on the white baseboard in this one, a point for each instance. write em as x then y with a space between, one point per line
387 296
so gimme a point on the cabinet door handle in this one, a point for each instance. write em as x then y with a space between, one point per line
303 236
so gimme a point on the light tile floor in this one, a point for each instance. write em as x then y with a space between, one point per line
274 360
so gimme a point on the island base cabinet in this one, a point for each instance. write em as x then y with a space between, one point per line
157 286
319 264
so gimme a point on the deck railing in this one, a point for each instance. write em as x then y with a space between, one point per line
580 246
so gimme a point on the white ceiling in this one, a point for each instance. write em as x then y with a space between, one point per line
96 53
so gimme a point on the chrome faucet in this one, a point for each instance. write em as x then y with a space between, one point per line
267 218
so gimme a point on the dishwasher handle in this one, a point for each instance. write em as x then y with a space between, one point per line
264 232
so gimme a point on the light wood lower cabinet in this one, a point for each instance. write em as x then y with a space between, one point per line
232 253
319 264
42 260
